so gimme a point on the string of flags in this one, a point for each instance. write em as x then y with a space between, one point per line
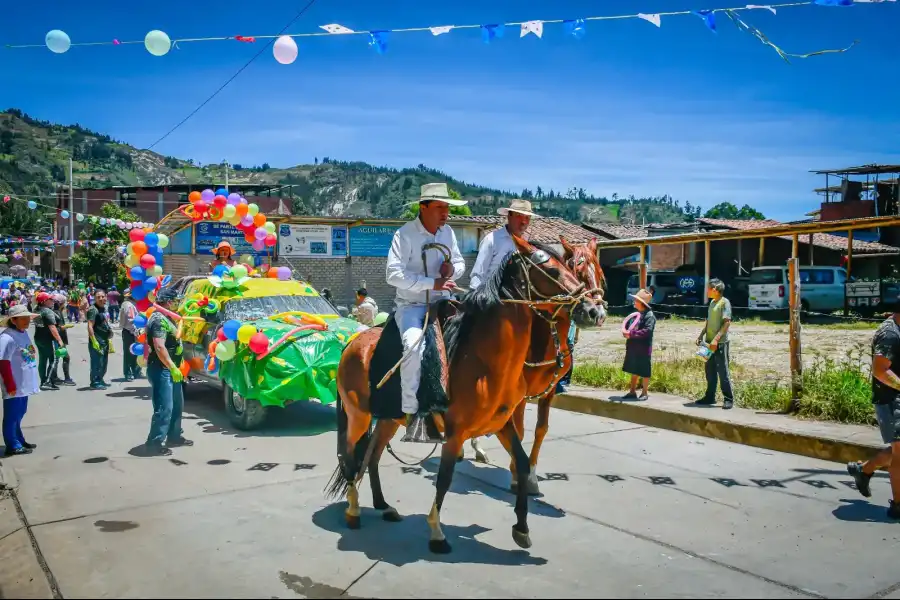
286 51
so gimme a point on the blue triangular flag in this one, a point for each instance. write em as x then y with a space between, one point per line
709 17
575 27
379 40
491 32
833 2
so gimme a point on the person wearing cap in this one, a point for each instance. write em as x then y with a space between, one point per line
224 252
18 376
497 245
366 308
639 346
47 339
418 285
100 346
886 398
164 373
59 301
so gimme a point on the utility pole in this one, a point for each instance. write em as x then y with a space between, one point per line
71 223
226 175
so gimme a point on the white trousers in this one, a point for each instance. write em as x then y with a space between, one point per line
410 321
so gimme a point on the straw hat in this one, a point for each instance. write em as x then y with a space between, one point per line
223 245
644 297
440 193
19 310
523 207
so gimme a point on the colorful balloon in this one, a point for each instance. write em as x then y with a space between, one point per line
259 343
138 248
58 41
253 209
64 214
150 283
193 196
234 198
241 210
271 240
239 271
229 212
140 321
148 260
225 350
231 328
132 261
270 226
259 220
79 217
151 239
137 349
220 201
260 234
137 274
285 50
162 240
32 204
220 335
157 43
259 245
284 273
137 235
245 333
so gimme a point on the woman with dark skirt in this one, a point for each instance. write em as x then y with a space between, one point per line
639 346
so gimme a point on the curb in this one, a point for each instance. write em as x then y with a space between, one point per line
749 435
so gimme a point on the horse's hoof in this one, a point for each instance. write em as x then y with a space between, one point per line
439 546
534 489
391 515
514 487
482 457
353 522
522 540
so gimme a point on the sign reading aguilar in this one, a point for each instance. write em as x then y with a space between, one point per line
207 236
371 240
312 241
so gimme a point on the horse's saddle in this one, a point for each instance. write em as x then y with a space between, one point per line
385 402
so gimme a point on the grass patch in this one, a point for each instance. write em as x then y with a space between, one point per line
833 390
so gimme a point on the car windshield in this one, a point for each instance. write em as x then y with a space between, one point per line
248 309
766 276
633 282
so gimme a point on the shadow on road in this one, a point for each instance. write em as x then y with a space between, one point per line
407 542
861 511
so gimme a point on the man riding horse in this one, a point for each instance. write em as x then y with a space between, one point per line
423 264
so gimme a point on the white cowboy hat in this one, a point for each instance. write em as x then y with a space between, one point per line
523 207
440 193
19 310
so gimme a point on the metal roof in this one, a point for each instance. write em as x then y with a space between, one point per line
873 169
820 240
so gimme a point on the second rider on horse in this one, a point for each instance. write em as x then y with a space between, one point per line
420 283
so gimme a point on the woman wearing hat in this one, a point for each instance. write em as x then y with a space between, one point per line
224 251
18 376
639 345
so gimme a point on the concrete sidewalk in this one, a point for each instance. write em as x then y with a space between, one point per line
838 442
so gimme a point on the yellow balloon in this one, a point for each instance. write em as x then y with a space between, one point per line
132 261
141 361
229 211
252 209
245 332
235 221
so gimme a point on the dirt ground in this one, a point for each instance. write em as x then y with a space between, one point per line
761 347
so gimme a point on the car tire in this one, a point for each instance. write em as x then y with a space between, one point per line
243 413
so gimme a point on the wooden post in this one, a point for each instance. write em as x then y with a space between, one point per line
762 252
811 260
739 244
796 355
849 252
706 272
795 246
643 267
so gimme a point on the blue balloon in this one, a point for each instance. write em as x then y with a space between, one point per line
140 321
137 273
231 328
32 204
151 239
138 293
166 280
137 349
221 192
150 283
220 270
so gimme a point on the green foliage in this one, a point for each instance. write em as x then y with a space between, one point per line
727 210
102 264
832 390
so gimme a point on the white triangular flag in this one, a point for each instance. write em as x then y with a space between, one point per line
441 30
535 27
335 28
651 19
769 8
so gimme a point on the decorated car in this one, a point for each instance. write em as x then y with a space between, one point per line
265 341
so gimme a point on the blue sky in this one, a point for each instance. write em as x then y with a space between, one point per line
630 108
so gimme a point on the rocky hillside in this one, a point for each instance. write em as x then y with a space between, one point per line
34 158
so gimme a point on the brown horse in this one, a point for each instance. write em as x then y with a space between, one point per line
488 343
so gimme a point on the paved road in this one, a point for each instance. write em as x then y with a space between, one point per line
628 511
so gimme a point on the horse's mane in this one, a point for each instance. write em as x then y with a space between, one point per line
474 304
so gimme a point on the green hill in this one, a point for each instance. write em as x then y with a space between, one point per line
34 159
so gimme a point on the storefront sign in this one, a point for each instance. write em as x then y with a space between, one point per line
371 240
312 241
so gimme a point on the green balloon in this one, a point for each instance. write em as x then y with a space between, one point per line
239 271
381 318
225 350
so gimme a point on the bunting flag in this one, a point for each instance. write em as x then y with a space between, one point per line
655 19
379 40
575 28
159 43
535 27
784 55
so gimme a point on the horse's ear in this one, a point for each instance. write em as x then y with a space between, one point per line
592 246
568 250
522 246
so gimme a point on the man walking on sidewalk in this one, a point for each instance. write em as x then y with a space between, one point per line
886 398
715 335
47 339
99 346
130 367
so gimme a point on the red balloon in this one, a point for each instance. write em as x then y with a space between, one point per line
143 304
220 201
137 283
221 335
148 261
136 235
259 343
201 206
271 240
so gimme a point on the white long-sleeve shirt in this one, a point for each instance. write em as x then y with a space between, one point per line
494 247
405 270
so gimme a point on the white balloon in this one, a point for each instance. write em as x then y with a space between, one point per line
58 41
285 50
157 43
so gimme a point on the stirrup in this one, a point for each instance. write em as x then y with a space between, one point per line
420 429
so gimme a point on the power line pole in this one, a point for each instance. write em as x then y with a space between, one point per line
226 175
71 223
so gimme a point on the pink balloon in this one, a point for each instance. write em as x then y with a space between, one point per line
259 245
147 261
247 221
284 273
260 233
136 235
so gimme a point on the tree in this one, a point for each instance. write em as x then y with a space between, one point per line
412 211
102 263
727 210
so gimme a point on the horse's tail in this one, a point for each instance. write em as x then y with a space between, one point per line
348 464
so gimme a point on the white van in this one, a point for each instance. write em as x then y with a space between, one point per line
821 288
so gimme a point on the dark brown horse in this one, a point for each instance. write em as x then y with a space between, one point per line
488 343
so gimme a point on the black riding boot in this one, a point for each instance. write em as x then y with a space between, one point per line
421 429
